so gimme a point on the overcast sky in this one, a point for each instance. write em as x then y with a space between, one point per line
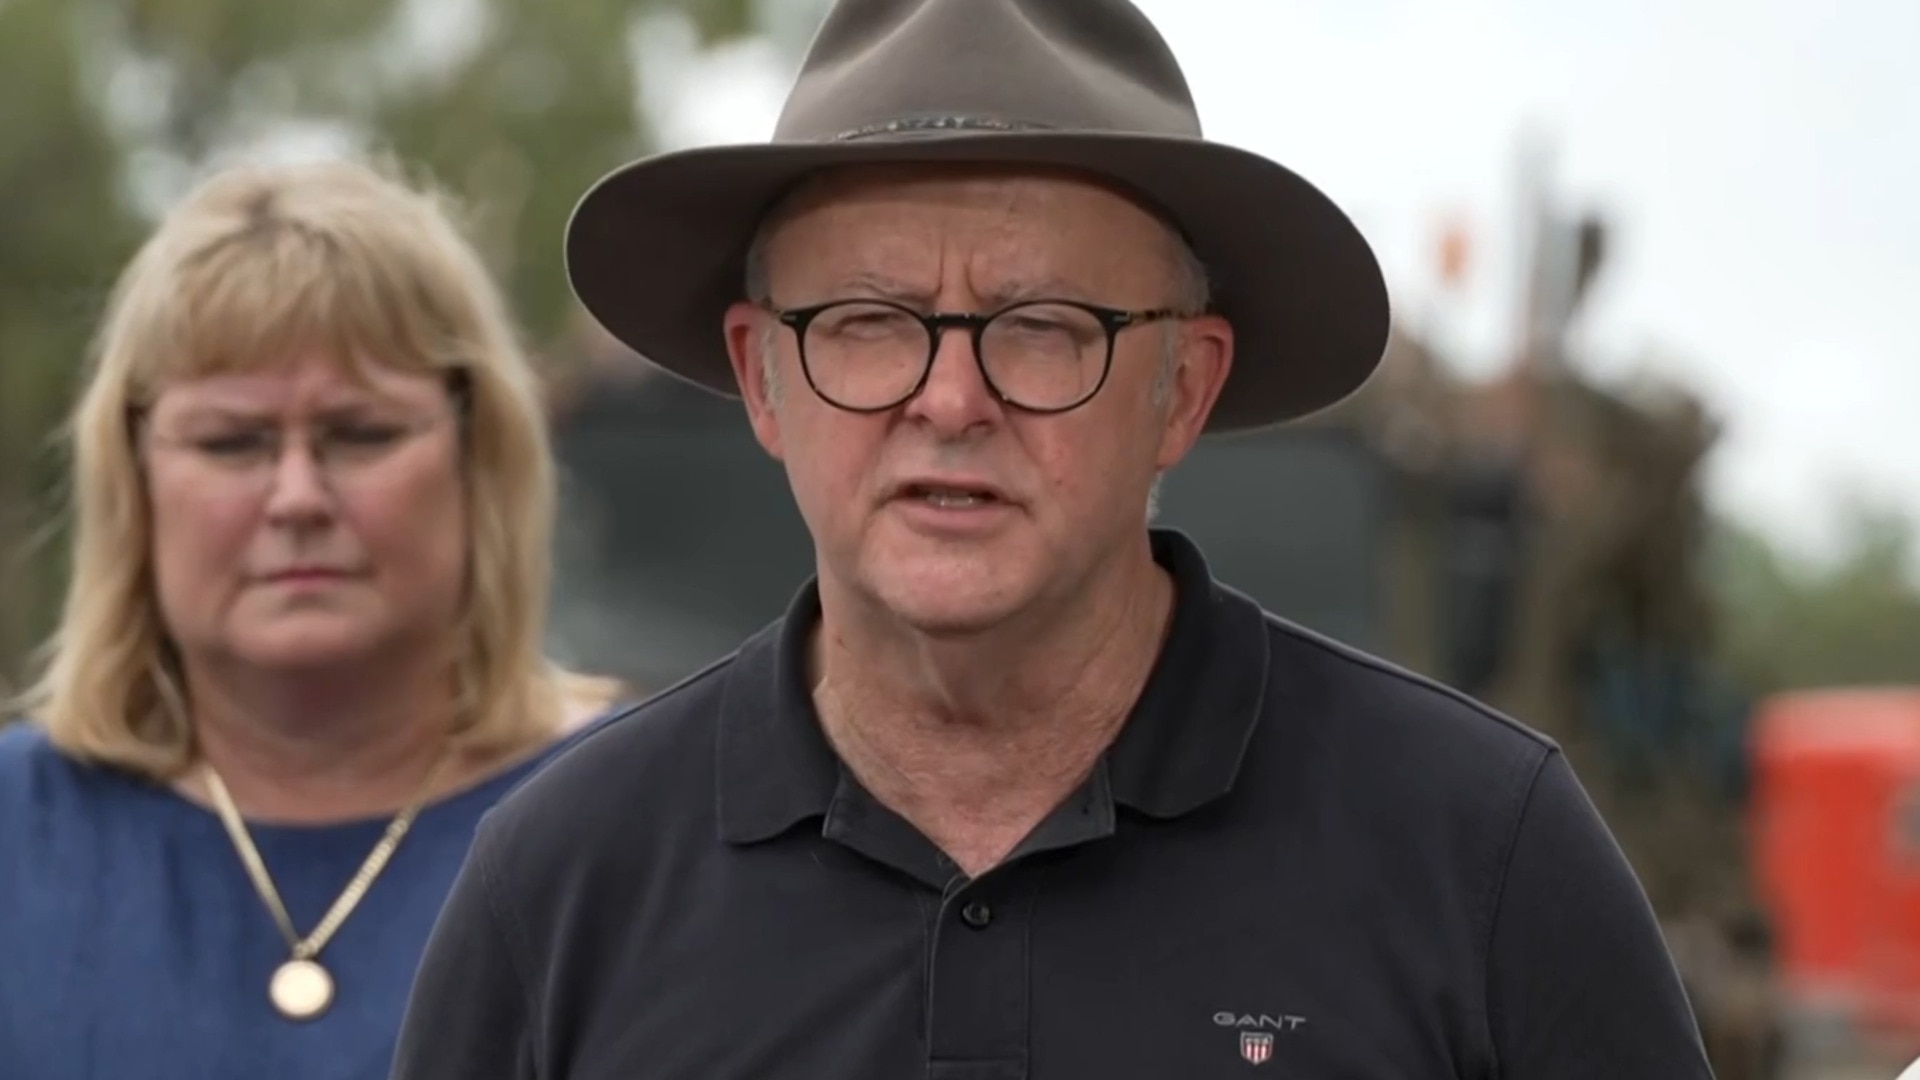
1760 162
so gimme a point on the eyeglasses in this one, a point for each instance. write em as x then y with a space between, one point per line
1042 356
342 451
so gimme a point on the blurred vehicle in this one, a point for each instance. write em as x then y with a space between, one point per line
1836 827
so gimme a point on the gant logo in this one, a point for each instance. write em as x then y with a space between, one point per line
1259 1021
1257 1031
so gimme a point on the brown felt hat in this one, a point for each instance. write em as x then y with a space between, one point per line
656 249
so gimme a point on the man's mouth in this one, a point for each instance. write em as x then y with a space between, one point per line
950 498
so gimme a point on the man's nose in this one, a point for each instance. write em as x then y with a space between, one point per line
956 396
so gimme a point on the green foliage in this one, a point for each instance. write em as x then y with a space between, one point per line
1793 623
65 232
515 105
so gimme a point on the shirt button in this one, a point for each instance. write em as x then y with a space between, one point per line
977 914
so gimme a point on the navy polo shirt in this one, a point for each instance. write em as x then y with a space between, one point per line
1295 860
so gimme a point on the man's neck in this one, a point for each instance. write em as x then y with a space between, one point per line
321 747
976 741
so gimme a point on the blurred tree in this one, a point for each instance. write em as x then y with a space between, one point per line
516 106
65 229
1792 623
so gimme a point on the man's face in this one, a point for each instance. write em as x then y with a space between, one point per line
953 511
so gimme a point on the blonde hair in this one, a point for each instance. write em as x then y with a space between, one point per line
257 261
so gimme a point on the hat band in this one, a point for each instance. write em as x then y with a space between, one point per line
936 125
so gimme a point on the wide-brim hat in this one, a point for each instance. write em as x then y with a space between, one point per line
656 249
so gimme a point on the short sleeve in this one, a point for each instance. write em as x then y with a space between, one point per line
469 1016
1580 983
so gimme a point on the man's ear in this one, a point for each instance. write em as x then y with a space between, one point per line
746 326
1206 356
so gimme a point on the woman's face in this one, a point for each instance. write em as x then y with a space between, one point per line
306 516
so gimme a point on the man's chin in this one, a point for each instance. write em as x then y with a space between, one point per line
952 612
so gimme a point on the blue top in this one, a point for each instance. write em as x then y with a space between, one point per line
133 944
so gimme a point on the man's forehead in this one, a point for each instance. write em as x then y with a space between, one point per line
1032 223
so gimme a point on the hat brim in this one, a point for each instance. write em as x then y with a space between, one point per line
655 251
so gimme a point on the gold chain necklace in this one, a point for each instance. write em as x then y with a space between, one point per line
301 989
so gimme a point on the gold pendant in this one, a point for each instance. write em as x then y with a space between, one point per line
301 989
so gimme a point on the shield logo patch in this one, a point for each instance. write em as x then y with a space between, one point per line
1256 1046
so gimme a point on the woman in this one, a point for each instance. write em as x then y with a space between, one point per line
301 649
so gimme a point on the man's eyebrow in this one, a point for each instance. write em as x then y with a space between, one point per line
1015 290
873 283
1010 291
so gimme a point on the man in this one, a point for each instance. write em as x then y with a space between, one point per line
1016 789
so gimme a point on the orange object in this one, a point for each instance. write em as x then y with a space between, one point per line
1836 833
1455 248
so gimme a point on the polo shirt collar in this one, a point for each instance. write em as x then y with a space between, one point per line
1180 749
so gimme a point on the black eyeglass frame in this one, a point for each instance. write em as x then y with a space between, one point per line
937 323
